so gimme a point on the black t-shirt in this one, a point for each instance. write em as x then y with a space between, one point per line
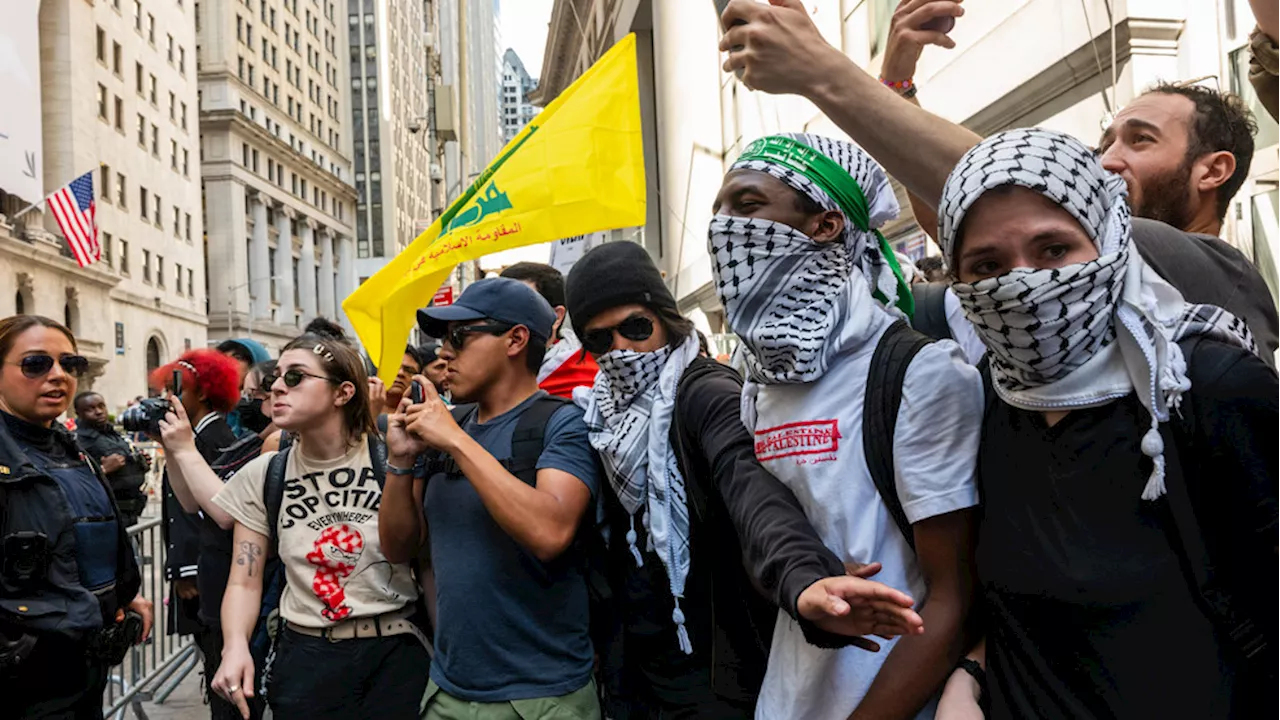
1089 611
215 543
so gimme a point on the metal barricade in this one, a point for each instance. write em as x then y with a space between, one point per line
155 668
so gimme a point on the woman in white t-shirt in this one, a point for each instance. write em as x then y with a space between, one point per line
348 645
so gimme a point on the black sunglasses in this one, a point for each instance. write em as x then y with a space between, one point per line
292 378
458 335
34 366
600 340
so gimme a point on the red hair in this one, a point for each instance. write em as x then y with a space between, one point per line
212 374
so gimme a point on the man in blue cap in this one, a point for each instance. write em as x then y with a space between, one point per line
496 489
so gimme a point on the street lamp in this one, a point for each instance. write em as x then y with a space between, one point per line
231 291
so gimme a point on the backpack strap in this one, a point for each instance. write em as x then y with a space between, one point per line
378 458
930 318
893 355
273 495
528 438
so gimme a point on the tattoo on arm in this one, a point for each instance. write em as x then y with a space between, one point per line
248 555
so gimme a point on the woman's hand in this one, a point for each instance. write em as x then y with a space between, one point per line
234 680
377 396
176 432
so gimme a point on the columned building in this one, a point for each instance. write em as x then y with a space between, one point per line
116 96
276 151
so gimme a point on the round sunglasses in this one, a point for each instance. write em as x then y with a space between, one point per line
600 340
34 366
292 378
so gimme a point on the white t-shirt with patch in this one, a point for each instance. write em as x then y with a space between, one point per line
328 536
810 437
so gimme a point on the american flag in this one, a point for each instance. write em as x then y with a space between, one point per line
75 212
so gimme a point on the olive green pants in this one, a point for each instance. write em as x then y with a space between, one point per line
578 705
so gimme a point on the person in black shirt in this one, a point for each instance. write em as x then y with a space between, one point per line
68 576
195 481
1128 465
210 389
692 629
126 468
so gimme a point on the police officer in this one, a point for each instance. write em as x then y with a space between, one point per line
69 584
125 467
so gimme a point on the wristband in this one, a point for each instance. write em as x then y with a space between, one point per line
898 86
397 470
975 671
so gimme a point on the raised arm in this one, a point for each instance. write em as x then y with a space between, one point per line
194 483
543 519
401 526
782 52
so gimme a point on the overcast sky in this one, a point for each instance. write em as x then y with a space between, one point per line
524 29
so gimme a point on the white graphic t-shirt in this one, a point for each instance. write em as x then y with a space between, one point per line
810 437
328 536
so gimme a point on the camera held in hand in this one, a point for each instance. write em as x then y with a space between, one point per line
145 417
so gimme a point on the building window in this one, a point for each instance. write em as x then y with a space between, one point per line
169 48
124 257
177 224
160 270
173 155
156 214
106 249
142 131
146 266
182 60
186 168
177 278
137 15
191 283
102 45
151 29
119 115
244 160
183 115
102 101
138 77
105 177
122 190
153 91
117 58
187 224
155 141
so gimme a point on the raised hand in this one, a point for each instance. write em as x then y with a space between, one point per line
430 421
776 48
916 23
176 432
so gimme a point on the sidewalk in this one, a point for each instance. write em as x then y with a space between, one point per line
186 702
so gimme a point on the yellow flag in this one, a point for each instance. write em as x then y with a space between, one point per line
577 168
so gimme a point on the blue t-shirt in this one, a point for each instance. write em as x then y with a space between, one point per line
509 626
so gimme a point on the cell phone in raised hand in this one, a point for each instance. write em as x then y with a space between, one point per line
417 393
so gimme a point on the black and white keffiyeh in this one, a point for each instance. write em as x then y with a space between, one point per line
796 303
1085 334
628 416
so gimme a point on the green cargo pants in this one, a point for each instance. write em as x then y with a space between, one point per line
578 705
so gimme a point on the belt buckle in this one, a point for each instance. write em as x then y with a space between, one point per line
327 634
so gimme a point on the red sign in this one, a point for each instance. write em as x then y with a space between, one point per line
443 296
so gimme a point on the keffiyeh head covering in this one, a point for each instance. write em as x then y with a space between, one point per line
628 417
794 302
1085 334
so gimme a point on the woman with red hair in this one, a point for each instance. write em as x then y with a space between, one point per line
210 389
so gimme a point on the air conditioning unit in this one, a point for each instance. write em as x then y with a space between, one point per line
446 112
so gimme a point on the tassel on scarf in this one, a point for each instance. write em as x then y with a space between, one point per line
631 543
1153 447
682 634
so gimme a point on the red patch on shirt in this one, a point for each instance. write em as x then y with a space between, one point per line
813 437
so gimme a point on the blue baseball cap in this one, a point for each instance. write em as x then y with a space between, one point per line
501 299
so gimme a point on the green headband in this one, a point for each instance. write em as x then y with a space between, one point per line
842 188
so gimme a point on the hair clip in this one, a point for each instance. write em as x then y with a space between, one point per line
323 352
189 366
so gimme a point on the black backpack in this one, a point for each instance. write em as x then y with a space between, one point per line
930 318
894 353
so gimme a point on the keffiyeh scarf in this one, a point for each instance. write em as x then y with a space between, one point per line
796 303
1085 334
628 417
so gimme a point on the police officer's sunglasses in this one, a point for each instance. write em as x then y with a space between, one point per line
34 366
600 340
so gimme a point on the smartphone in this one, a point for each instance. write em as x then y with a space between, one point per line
417 394
942 24
720 8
